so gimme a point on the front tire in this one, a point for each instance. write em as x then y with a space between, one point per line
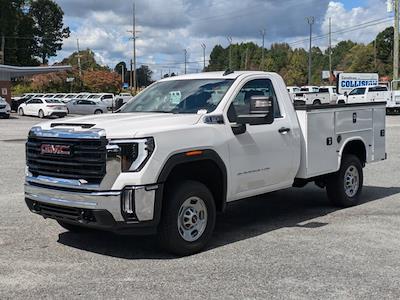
41 114
98 112
344 187
188 218
21 112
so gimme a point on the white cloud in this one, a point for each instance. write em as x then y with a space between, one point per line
354 24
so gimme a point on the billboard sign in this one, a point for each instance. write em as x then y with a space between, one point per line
348 81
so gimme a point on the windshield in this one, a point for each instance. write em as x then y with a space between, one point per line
52 101
180 96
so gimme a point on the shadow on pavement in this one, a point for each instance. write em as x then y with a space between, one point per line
242 220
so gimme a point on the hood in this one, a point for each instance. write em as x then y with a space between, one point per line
126 125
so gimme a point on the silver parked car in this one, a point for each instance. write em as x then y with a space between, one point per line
86 107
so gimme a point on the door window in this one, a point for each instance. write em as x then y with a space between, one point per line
257 87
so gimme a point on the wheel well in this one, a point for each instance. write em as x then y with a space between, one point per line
356 148
204 171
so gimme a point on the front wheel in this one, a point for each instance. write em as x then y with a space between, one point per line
98 112
188 218
41 114
344 187
21 112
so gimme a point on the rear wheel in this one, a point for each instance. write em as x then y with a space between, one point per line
41 114
98 112
344 187
21 112
188 218
317 102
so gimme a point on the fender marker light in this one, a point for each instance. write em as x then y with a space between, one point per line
194 153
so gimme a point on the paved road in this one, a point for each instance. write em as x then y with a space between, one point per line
288 245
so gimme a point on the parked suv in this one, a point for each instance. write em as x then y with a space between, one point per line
5 109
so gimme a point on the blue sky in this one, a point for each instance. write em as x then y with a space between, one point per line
166 30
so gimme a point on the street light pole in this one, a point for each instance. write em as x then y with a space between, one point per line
396 41
185 52
262 31
310 21
204 56
229 38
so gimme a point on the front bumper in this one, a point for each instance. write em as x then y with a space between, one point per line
95 209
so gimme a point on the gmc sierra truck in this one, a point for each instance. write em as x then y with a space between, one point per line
187 146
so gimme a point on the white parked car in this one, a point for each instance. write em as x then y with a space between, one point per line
106 98
43 108
5 109
377 93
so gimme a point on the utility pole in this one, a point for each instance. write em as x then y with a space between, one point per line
396 41
330 50
134 37
204 56
310 21
131 76
123 74
375 53
79 58
185 52
229 38
262 31
2 55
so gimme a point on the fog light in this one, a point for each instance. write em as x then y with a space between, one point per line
128 204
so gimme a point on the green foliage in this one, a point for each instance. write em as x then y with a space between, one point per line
32 30
292 64
49 27
88 61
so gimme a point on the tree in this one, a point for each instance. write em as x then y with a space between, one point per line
49 27
101 81
88 60
144 76
384 45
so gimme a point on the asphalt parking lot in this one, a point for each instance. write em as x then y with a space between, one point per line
288 245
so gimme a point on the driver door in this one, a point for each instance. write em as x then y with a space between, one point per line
262 158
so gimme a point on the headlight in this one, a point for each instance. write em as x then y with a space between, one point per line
133 153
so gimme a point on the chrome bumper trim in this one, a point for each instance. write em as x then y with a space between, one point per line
109 200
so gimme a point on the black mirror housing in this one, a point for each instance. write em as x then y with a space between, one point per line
261 111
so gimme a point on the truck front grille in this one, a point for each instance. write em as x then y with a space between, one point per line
81 159
2 106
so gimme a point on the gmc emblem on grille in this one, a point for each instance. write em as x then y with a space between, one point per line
55 149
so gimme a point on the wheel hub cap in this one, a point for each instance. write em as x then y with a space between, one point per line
351 181
192 219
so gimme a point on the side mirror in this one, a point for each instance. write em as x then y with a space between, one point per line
261 111
345 94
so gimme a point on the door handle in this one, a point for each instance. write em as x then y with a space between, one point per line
284 130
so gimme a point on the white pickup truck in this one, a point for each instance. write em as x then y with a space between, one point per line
167 165
366 94
325 95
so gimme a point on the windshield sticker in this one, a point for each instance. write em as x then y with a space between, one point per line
175 97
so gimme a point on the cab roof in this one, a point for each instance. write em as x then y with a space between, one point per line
213 75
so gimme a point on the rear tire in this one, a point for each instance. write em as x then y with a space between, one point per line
72 227
41 114
345 186
188 218
317 102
